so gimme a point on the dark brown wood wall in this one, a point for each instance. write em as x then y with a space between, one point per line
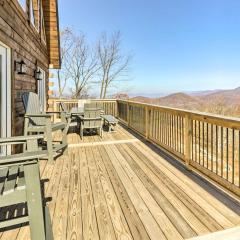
25 42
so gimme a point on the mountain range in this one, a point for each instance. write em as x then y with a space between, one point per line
226 102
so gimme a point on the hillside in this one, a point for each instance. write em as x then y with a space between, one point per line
231 97
176 100
181 100
226 102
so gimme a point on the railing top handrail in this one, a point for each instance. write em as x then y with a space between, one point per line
194 114
76 100
233 122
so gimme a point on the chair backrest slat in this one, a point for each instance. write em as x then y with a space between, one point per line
3 177
11 182
95 105
64 107
95 115
32 106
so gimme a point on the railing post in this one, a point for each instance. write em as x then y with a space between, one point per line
128 115
116 108
187 140
146 122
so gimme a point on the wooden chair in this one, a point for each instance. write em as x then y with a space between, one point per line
40 122
65 115
91 120
20 183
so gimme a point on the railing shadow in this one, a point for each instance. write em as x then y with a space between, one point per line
232 203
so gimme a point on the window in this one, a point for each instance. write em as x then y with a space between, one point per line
34 13
42 90
43 32
23 4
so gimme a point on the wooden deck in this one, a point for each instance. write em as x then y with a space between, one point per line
120 187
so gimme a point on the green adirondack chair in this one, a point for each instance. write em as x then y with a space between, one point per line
40 122
20 183
91 120
65 115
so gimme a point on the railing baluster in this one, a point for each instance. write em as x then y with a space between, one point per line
203 142
238 158
227 152
216 149
233 150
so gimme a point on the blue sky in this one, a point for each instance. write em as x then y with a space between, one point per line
178 45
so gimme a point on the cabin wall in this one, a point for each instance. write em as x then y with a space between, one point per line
25 42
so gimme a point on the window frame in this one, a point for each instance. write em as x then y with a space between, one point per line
32 17
6 94
41 90
24 8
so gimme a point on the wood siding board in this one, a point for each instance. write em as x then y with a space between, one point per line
25 43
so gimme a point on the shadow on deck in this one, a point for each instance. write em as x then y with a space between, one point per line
120 187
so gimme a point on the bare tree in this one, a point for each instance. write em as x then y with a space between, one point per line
113 65
66 36
82 65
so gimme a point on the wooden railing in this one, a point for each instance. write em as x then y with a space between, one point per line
208 143
205 142
109 105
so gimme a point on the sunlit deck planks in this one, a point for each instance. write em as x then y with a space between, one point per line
128 190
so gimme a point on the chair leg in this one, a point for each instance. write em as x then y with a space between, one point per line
49 143
66 119
26 122
81 131
64 133
34 202
48 225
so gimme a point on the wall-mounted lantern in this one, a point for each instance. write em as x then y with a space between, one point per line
20 67
39 75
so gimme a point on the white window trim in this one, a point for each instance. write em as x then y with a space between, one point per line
42 91
6 95
42 25
37 28
23 7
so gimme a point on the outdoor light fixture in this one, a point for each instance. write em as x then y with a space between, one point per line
38 75
20 67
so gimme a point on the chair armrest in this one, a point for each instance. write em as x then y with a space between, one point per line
19 139
90 119
22 158
52 112
43 115
66 114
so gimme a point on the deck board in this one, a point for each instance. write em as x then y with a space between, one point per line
128 189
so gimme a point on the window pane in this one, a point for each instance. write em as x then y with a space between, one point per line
23 4
34 13
43 33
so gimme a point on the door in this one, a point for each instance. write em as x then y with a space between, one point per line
5 94
42 90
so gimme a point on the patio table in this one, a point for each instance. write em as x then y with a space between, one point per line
77 111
